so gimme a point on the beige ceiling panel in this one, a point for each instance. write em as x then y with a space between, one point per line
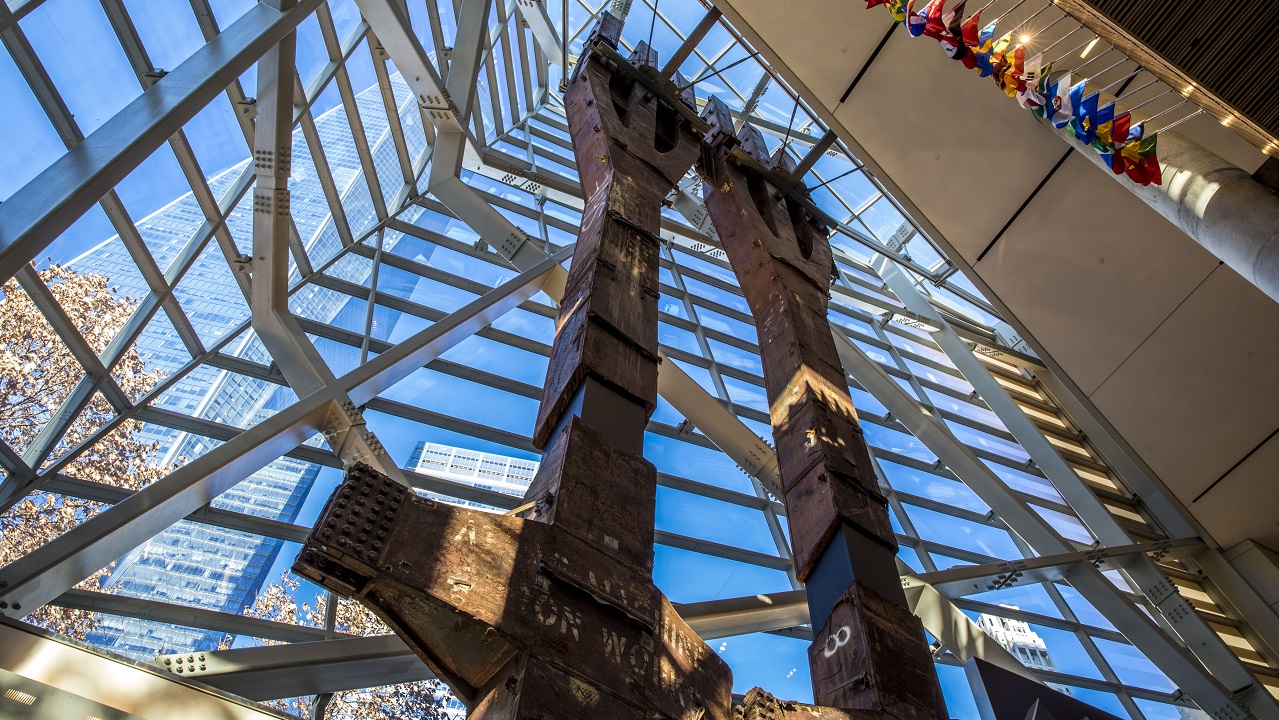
1091 271
1202 391
964 153
1245 504
824 43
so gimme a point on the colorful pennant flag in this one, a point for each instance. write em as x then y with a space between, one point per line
1041 92
936 25
1123 146
953 44
1014 72
983 49
1142 161
1086 118
916 21
1116 136
1111 132
1030 94
1058 108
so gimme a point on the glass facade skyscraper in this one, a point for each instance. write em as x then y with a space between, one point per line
213 567
487 471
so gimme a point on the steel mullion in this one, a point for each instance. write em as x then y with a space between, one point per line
503 40
770 514
322 79
378 58
490 71
520 47
360 138
372 299
337 212
437 37
541 64
11 14
75 343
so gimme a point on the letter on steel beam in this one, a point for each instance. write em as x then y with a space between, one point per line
869 652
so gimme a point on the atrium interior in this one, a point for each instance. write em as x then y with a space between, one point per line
805 374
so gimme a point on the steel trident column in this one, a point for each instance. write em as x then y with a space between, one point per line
551 612
869 654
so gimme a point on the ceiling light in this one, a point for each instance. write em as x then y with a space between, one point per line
19 696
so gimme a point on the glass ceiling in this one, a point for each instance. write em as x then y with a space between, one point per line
376 258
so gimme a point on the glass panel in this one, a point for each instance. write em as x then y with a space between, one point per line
1133 667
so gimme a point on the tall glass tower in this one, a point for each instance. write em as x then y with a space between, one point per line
198 564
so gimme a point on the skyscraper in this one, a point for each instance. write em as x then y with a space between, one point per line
488 471
203 565
1025 644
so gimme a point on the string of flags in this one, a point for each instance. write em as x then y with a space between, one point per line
1122 144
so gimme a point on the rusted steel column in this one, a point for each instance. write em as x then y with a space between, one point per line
551 613
869 653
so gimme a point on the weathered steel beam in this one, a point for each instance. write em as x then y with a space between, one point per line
551 611
869 655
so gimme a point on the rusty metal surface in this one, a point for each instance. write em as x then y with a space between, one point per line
783 263
552 613
481 598
869 658
761 705
631 150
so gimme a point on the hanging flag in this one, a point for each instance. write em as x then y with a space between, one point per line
1111 131
1101 122
983 49
936 23
915 21
1042 91
953 44
1086 118
896 7
1058 108
1142 161
1111 140
1029 94
970 30
1014 72
1000 60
